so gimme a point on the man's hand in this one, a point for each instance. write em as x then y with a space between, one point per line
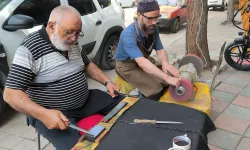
111 88
54 119
173 81
166 67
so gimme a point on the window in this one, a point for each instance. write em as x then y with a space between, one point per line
104 3
37 9
83 6
3 3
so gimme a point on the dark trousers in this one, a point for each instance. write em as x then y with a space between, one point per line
98 102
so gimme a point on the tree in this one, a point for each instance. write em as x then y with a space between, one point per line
196 33
230 11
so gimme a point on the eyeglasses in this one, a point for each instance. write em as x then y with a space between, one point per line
156 18
70 33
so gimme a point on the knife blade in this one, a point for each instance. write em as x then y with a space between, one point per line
155 122
79 129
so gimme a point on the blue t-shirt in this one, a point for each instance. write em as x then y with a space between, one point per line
127 46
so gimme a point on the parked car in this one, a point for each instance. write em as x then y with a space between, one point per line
172 14
217 4
127 3
103 21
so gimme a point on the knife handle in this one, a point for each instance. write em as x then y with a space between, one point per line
145 121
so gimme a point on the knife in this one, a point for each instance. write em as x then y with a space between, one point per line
155 122
79 129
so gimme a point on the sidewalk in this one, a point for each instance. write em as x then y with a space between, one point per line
230 110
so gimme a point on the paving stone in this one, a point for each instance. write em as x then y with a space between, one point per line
224 139
218 106
223 96
26 145
44 142
243 75
245 92
242 101
3 135
236 81
49 147
213 115
17 128
247 134
29 134
238 111
10 141
212 147
244 144
229 88
232 124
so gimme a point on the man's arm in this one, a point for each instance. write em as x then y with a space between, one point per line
162 55
19 78
95 73
150 68
22 103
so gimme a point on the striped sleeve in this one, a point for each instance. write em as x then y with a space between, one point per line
22 71
85 58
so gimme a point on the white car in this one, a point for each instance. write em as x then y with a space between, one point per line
103 21
217 3
127 3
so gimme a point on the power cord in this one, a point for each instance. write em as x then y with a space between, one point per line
199 32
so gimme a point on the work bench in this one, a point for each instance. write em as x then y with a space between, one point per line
122 134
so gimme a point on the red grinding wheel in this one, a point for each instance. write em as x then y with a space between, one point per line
186 93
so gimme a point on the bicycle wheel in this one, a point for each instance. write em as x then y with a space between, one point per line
235 58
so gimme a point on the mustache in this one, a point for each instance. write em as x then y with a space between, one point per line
151 26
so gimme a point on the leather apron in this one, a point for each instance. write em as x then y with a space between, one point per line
129 70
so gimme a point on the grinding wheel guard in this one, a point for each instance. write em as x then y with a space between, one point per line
193 59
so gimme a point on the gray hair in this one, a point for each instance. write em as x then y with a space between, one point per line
59 11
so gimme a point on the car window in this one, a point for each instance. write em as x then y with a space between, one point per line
104 3
3 3
37 9
83 6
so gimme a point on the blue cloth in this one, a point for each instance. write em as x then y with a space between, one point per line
127 46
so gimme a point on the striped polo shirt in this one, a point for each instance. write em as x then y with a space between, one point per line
50 78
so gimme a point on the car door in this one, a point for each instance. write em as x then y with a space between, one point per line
183 11
91 22
39 10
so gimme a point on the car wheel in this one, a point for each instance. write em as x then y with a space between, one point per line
108 57
222 8
2 105
175 26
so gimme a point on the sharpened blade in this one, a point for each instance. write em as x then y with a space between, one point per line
80 129
171 122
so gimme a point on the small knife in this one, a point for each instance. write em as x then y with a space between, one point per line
79 129
155 122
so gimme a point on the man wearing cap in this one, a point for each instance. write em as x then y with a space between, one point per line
133 54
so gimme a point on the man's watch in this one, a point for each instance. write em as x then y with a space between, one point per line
106 83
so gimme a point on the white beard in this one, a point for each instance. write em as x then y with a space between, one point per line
60 44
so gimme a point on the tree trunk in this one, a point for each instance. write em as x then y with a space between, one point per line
196 33
230 11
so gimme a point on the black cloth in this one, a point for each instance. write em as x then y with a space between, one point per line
98 102
125 135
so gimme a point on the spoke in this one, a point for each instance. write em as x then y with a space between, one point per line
239 48
234 55
248 60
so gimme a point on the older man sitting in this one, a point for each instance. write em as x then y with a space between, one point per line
47 80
